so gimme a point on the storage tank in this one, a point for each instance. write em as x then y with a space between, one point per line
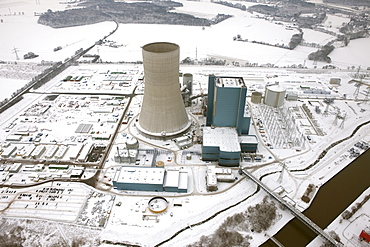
132 143
256 97
163 112
274 95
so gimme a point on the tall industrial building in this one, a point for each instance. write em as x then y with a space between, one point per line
226 103
163 112
228 120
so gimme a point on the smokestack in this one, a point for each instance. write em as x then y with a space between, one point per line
163 112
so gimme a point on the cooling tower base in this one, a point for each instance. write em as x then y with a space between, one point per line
162 135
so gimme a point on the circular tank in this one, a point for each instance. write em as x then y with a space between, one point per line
158 204
163 112
274 95
256 97
159 163
132 143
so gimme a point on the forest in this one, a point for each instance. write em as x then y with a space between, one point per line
92 12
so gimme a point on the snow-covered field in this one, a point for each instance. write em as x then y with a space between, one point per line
23 35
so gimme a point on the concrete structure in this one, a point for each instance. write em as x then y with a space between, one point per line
274 95
256 97
163 112
132 143
51 150
8 151
15 167
27 151
38 151
176 181
75 151
151 179
292 96
226 103
211 180
13 138
187 88
229 117
124 155
183 141
335 81
85 152
187 80
222 145
61 152
248 143
157 204
140 179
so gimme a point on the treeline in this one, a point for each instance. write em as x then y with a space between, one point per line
236 5
350 2
347 214
122 12
292 10
234 230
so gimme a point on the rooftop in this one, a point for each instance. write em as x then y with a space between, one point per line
230 82
142 175
224 137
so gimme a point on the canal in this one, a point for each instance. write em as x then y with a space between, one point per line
331 200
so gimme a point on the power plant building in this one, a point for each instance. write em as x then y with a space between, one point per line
222 145
228 118
151 179
226 103
163 111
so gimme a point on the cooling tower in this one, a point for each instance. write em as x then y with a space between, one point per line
163 112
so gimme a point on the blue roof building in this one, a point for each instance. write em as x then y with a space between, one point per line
228 121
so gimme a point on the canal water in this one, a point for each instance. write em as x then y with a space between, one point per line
331 200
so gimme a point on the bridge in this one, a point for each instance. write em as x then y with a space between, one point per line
294 211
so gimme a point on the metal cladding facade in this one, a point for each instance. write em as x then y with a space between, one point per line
274 95
163 112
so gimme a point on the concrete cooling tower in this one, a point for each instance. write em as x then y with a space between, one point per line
163 112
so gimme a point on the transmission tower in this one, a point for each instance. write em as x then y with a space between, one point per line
327 101
337 116
367 95
343 119
357 85
15 50
283 167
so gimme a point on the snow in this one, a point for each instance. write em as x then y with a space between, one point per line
216 41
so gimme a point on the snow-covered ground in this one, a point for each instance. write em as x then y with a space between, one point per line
198 204
195 42
24 35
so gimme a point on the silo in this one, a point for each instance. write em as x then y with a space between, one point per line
163 112
256 97
274 95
